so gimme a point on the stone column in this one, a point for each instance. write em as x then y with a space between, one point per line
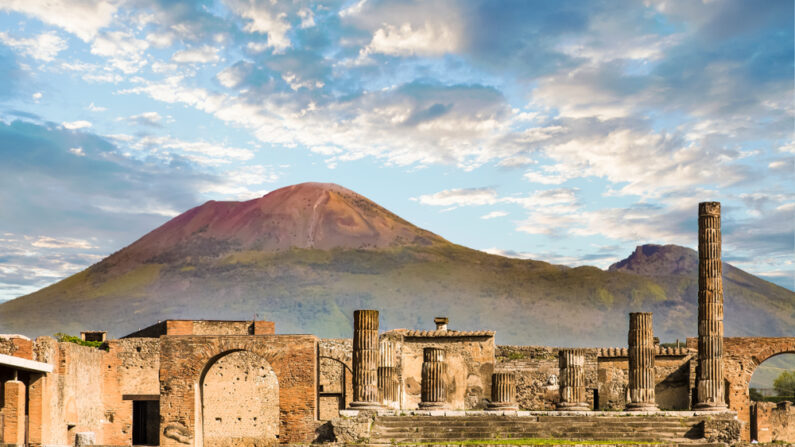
387 373
38 409
641 363
709 372
365 359
503 392
14 411
434 379
572 380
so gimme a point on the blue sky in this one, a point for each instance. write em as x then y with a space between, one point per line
566 131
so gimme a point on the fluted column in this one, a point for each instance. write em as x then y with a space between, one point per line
641 362
387 373
503 392
572 380
709 385
434 379
365 359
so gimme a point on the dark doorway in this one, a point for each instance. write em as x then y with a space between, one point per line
146 422
595 399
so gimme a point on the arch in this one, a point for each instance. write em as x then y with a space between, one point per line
742 355
335 386
184 360
239 397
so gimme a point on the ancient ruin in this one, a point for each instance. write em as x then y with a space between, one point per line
198 383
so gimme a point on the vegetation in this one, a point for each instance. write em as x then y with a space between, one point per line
530 441
66 338
785 384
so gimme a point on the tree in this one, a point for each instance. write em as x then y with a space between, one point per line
785 384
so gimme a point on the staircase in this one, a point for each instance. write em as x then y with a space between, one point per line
391 429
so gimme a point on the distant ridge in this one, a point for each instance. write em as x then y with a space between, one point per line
307 255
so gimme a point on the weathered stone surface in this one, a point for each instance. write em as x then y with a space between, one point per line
335 386
503 392
641 362
709 381
85 438
434 379
353 429
571 363
365 359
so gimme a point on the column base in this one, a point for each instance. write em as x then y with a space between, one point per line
433 405
704 406
641 406
365 406
502 406
572 406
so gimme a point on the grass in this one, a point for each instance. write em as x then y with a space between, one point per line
528 441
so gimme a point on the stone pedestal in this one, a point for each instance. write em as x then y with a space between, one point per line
709 371
572 380
365 360
641 363
434 379
388 385
503 392
14 411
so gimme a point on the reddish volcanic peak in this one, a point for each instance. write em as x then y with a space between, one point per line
307 215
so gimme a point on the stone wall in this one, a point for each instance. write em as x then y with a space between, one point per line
672 378
536 370
205 327
335 384
17 346
772 422
470 363
184 360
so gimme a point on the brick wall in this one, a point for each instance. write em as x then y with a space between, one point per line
184 359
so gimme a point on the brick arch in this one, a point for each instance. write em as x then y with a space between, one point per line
184 360
742 355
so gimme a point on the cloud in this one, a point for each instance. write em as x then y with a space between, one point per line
460 197
261 19
201 55
83 18
494 215
125 52
43 47
407 40
151 119
75 125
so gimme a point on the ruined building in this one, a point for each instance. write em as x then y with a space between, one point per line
233 383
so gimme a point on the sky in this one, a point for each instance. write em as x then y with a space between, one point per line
564 131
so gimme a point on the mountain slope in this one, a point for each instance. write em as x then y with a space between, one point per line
307 255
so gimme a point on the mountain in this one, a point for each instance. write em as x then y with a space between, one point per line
307 255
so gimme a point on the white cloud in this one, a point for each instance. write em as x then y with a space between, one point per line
307 18
262 20
494 215
124 51
73 125
84 18
202 152
95 108
202 55
460 197
78 151
429 39
51 242
37 96
43 47
146 119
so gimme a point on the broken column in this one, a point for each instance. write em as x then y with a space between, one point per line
434 379
14 411
365 359
503 392
709 372
387 373
572 380
641 363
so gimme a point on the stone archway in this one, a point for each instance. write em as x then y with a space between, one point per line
239 401
742 355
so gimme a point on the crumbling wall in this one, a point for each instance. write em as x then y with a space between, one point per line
335 382
17 346
470 363
536 369
772 422
240 402
672 377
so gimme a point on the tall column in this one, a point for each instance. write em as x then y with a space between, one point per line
387 373
14 411
434 379
38 409
503 391
641 363
365 359
709 372
572 380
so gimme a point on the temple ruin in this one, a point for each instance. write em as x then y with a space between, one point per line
198 383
